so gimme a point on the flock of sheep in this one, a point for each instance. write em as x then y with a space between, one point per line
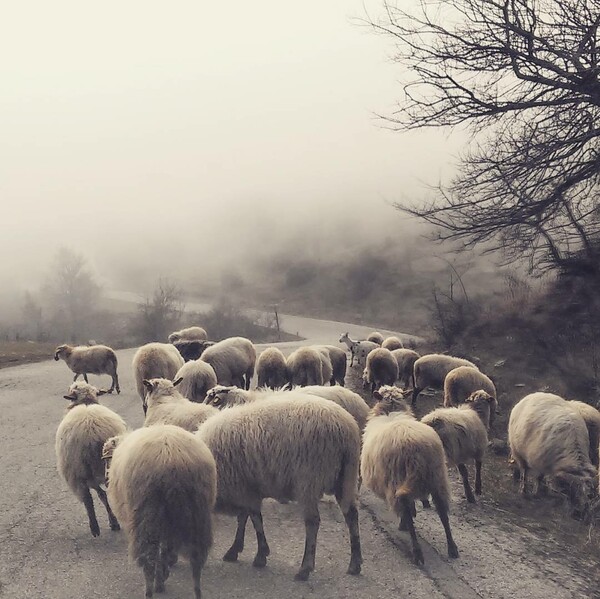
210 443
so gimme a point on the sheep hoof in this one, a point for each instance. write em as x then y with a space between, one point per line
159 587
453 552
471 499
402 526
115 526
231 556
302 575
418 557
354 569
260 561
95 530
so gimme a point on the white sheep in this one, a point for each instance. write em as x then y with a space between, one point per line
547 437
358 349
406 359
591 417
198 377
162 485
163 404
381 368
392 343
463 432
375 337
293 447
233 359
402 461
461 382
326 365
271 368
84 360
189 334
431 370
79 440
338 363
155 360
305 367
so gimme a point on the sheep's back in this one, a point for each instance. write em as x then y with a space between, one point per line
431 370
79 440
97 359
185 414
198 377
352 402
460 382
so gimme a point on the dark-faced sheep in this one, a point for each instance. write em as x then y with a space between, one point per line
402 461
162 484
79 440
291 447
84 360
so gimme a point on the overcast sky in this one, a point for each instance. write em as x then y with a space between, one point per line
129 123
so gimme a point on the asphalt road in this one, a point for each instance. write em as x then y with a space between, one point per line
47 551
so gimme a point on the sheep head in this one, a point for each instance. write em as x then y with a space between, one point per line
83 394
224 397
579 485
484 405
192 350
61 352
390 399
154 388
107 453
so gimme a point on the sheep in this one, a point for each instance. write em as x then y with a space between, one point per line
271 368
192 350
233 359
79 440
431 370
338 363
162 484
381 368
358 349
591 417
403 460
392 343
84 360
293 447
406 359
305 367
223 397
198 377
189 334
549 438
163 404
375 337
326 365
463 432
461 382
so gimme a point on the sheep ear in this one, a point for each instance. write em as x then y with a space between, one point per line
377 395
148 384
102 391
177 381
71 397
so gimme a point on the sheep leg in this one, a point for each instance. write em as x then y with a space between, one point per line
197 563
162 570
465 478
85 377
477 477
523 481
415 394
441 507
89 506
148 563
115 384
403 524
238 542
260 559
351 517
425 503
76 376
112 519
407 519
312 521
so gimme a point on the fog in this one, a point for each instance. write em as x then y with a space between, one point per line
182 138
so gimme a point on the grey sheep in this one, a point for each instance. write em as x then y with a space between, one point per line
305 367
271 368
162 484
84 360
402 461
198 377
406 359
375 337
326 365
291 447
392 343
431 370
548 438
591 417
233 360
79 440
461 382
163 404
463 432
338 363
381 368
155 360
189 334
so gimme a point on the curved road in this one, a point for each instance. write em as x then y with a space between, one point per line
47 551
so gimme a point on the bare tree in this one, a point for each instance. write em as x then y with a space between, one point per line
72 292
523 77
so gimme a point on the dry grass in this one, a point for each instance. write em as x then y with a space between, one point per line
13 353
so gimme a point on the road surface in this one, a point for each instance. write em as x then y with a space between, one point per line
47 551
